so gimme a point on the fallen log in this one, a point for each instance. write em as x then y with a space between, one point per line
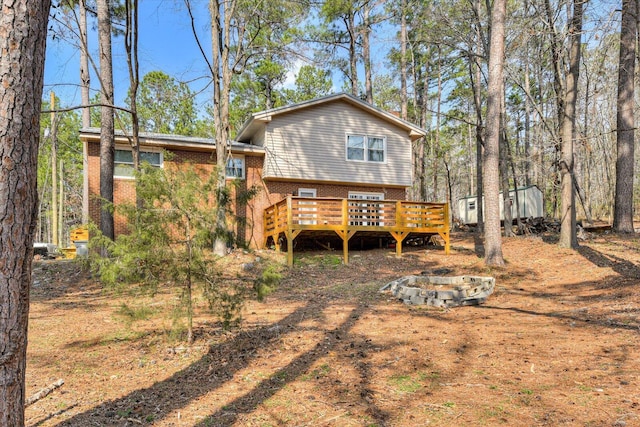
43 393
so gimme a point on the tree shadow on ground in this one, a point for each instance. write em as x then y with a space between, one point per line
219 366
55 414
52 279
233 411
584 320
478 244
621 266
574 309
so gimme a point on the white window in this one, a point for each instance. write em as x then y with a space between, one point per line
365 196
472 205
364 212
123 161
355 147
366 148
375 149
307 192
235 168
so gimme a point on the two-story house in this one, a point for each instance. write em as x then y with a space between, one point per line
336 147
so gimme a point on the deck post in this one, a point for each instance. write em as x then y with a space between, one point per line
276 231
399 236
345 231
447 244
265 236
288 233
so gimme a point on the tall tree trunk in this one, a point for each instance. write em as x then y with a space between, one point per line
527 120
23 25
107 148
268 93
85 77
492 236
556 49
560 97
403 60
85 83
568 238
221 16
470 165
353 53
504 175
425 120
514 177
506 164
586 158
54 171
623 207
436 144
475 77
366 52
131 47
424 196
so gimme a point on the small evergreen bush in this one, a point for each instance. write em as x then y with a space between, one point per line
170 235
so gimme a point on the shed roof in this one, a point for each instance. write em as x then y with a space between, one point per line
523 188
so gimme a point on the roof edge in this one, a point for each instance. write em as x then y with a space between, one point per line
414 131
171 140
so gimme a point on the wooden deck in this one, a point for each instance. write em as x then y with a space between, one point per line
346 217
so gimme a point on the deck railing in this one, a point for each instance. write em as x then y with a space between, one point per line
348 216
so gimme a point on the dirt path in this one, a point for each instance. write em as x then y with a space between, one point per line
556 344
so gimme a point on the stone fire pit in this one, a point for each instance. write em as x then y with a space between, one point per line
441 291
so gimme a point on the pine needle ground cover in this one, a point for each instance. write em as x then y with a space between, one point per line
555 344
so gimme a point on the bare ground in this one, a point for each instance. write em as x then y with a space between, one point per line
556 344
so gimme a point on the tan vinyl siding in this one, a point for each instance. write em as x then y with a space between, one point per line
258 138
310 144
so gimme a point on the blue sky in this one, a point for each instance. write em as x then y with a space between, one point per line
166 43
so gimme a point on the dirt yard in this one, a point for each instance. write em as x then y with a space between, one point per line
556 344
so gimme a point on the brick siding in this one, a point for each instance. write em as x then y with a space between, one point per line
269 192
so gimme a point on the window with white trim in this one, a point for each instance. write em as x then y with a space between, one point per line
375 149
307 192
235 168
366 148
123 161
361 195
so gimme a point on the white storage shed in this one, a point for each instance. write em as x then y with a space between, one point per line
529 198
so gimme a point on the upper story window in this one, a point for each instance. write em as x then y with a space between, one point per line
366 148
123 161
235 168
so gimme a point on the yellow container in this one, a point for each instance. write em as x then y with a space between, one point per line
69 253
80 233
